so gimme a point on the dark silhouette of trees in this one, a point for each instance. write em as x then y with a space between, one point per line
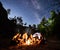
25 24
56 28
34 26
51 27
19 21
42 26
3 17
3 14
6 26
48 27
8 11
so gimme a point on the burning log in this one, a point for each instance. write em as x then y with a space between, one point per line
25 40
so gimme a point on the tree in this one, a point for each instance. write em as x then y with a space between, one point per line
43 22
19 21
55 24
34 26
42 26
50 27
8 11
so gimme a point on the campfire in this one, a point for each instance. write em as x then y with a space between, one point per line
25 39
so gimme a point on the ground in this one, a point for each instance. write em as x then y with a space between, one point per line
50 45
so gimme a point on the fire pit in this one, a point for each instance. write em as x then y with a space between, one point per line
25 40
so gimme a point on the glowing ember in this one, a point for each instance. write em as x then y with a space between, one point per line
25 40
28 42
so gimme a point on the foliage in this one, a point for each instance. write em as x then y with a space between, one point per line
8 11
51 26
42 26
34 26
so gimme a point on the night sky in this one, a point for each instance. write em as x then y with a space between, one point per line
32 11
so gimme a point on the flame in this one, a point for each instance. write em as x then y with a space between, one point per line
25 39
28 42
25 36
